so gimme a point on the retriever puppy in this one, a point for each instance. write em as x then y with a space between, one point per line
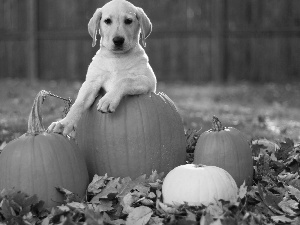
120 66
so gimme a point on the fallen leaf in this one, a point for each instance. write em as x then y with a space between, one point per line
269 199
97 184
295 183
139 216
294 191
142 189
127 202
156 221
108 190
166 208
282 218
101 206
296 221
108 220
146 202
191 216
151 195
127 185
155 176
69 196
242 191
206 219
76 205
285 148
46 221
265 146
286 177
93 218
215 210
288 206
3 144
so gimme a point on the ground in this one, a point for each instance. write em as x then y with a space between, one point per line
258 110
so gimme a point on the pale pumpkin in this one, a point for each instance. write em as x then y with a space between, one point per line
37 162
226 147
144 134
198 185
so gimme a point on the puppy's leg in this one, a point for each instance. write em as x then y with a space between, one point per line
125 86
86 97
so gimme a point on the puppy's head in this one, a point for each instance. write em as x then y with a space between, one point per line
120 25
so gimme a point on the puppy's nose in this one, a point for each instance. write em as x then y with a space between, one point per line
118 41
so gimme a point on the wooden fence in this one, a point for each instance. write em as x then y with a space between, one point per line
192 40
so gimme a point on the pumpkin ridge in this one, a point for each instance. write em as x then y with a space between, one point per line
107 165
127 136
236 152
102 126
71 161
111 155
221 178
143 129
19 168
169 107
25 155
32 160
22 152
58 164
147 121
250 164
210 176
45 183
159 132
238 165
171 143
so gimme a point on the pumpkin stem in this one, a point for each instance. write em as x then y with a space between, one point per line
216 124
35 120
199 165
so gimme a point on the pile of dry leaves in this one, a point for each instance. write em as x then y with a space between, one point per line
273 199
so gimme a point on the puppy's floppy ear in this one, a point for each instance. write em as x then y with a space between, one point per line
145 24
94 25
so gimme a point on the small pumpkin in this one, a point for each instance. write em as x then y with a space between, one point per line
226 147
37 162
198 185
144 134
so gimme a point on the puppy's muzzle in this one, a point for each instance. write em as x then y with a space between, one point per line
118 41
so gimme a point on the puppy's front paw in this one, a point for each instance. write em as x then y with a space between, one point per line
108 103
63 127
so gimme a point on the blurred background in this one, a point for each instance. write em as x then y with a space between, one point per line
237 59
192 40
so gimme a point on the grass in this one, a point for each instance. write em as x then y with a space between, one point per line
259 110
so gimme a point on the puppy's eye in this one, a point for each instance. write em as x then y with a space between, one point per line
107 21
128 21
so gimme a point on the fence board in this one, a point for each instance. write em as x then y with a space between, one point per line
199 62
295 56
3 59
238 61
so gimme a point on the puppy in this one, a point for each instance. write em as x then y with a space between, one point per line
120 66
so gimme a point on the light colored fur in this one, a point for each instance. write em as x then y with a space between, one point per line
119 69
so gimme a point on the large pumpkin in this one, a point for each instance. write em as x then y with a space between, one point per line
198 184
145 133
226 147
38 161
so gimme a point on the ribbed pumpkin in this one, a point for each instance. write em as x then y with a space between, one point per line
198 184
225 147
37 162
145 133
